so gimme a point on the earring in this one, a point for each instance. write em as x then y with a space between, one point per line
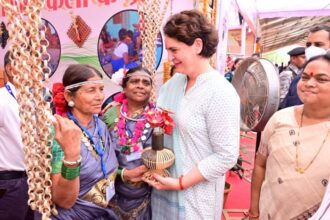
71 103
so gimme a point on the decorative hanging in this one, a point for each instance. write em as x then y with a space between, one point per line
209 9
215 11
214 22
29 62
167 71
79 30
205 7
151 14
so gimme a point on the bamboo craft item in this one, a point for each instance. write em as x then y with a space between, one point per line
151 14
29 60
157 158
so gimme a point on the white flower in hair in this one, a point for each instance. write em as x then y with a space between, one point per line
118 76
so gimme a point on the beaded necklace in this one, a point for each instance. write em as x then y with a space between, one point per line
298 167
126 139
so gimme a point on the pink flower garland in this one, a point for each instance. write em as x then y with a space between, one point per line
128 144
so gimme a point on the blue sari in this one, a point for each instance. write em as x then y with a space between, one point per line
90 174
133 201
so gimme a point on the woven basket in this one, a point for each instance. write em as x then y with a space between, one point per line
157 159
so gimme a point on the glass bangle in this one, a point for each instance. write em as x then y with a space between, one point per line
70 173
119 171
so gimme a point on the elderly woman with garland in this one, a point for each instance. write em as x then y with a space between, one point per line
126 120
292 164
84 163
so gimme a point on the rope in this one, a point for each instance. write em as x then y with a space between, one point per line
151 14
30 65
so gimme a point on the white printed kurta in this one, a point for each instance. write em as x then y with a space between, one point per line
207 119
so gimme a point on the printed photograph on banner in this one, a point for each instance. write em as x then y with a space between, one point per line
54 47
120 43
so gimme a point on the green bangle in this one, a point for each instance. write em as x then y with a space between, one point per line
70 173
119 171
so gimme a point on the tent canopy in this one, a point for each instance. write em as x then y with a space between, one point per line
281 23
292 8
280 32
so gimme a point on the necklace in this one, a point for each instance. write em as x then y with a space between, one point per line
89 145
123 112
88 140
129 140
298 167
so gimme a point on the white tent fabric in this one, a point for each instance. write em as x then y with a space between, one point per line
297 8
280 23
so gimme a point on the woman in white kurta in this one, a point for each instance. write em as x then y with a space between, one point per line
206 137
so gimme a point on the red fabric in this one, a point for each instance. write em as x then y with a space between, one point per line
155 118
61 105
168 123
160 117
239 196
